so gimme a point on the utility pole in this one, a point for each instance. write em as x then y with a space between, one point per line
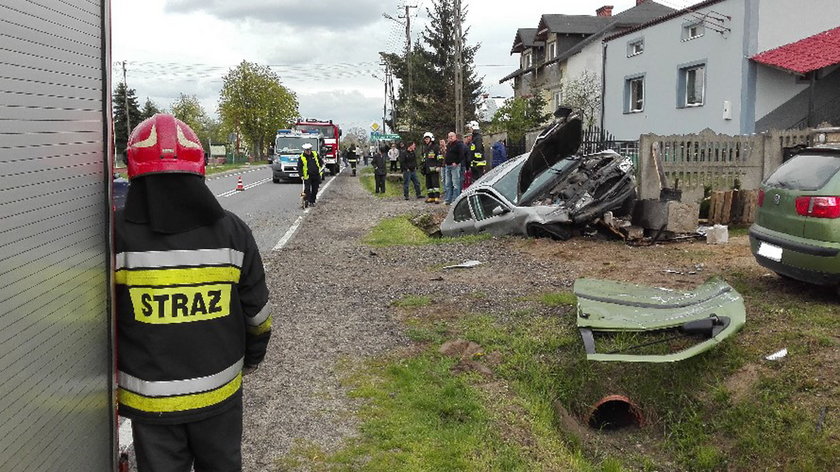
459 72
384 63
127 115
410 108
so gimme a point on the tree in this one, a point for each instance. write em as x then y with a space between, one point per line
188 109
355 135
254 103
584 93
432 61
519 115
149 109
119 103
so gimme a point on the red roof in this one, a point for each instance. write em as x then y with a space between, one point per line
806 55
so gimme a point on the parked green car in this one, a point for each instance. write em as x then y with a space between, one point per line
797 229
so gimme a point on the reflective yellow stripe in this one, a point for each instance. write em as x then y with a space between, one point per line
263 327
179 402
167 277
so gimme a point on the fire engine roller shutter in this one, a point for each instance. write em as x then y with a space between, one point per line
56 386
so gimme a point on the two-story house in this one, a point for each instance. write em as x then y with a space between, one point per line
568 48
734 66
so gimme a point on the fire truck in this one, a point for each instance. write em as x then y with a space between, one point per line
331 134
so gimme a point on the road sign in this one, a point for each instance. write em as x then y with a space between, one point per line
375 126
383 136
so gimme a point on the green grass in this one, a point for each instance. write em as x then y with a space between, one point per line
393 184
399 231
419 415
216 169
413 301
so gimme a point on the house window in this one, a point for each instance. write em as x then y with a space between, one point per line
635 93
552 51
527 60
557 98
634 48
691 86
692 31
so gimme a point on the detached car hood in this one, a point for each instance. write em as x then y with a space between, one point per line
558 141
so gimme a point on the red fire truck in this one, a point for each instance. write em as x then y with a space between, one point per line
331 134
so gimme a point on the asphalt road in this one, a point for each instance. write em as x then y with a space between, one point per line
269 209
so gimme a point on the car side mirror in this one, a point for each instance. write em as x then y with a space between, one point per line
499 210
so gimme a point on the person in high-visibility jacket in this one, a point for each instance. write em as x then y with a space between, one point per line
192 306
311 168
431 168
478 162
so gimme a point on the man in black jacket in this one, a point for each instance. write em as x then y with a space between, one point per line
192 306
379 168
475 152
408 163
455 155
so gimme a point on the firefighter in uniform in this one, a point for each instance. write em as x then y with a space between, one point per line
431 167
192 307
352 157
478 163
311 168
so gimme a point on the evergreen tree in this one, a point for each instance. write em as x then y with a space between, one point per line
149 109
433 74
134 115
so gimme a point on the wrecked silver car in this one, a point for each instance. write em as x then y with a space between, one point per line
548 192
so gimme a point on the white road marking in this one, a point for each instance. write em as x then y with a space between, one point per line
292 229
233 192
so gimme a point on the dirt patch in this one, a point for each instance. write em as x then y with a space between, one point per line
741 383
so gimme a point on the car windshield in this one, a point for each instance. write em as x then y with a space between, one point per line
541 180
289 145
508 183
806 171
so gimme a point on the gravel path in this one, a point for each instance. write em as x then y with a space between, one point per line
332 299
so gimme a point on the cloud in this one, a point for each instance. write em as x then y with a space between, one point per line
302 15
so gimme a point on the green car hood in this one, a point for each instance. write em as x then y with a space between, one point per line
608 306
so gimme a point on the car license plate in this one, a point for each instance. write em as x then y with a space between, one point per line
770 251
294 175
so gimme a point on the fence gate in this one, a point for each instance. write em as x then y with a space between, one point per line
56 387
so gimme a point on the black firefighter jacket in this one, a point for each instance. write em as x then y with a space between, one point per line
192 310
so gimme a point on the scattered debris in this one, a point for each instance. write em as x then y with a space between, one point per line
694 271
821 419
717 234
777 355
709 314
465 265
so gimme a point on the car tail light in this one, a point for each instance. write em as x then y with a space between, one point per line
818 207
761 198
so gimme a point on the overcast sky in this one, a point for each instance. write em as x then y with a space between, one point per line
325 51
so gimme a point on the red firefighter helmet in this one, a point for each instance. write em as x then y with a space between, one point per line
164 144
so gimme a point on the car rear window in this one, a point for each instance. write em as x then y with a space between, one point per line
805 172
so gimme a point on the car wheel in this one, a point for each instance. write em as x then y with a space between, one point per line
275 180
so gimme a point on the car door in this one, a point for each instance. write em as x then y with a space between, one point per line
463 221
492 214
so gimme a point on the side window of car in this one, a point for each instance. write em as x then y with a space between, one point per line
462 211
484 205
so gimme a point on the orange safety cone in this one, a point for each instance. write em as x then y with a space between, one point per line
239 186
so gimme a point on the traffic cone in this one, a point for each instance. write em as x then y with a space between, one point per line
239 186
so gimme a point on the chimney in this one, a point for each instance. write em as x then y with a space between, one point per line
605 10
639 2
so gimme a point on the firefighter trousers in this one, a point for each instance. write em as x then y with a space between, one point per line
211 445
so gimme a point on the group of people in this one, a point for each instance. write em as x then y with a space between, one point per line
449 165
